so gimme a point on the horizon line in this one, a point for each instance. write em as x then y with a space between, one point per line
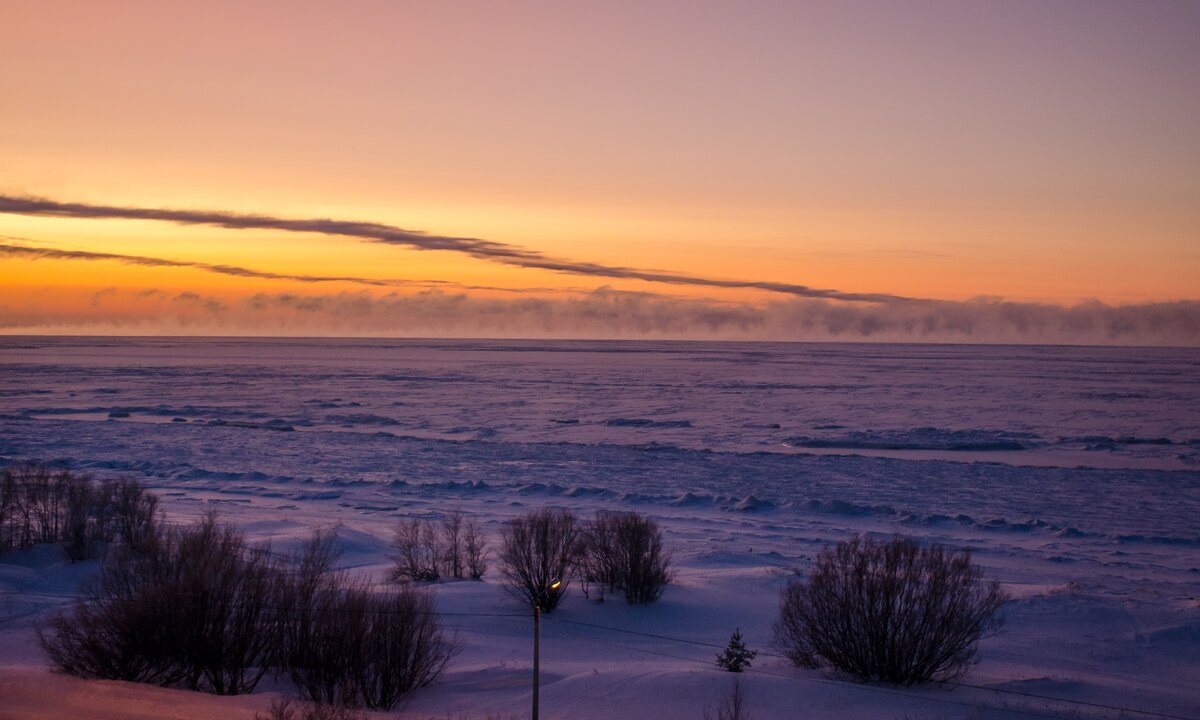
464 338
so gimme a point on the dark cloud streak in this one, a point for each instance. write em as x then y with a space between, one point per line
43 253
392 235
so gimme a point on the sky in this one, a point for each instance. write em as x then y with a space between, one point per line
947 171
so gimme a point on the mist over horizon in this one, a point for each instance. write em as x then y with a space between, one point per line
447 308
605 314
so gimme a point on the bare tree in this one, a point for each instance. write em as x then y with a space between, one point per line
198 607
43 489
404 647
889 610
123 628
452 543
320 627
369 648
475 547
455 546
597 560
418 551
624 552
345 644
126 652
79 523
131 511
283 709
538 550
228 590
32 500
8 510
192 608
730 705
41 505
327 650
308 577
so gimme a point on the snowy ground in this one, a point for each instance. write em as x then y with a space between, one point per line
1072 474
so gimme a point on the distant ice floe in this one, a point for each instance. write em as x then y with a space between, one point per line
922 438
275 424
361 419
1105 442
480 433
646 423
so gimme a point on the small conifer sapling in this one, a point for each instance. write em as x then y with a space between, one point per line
737 656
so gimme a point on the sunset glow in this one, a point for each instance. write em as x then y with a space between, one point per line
1039 155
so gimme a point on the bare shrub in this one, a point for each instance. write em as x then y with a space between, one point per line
367 648
597 559
343 644
475 548
426 550
283 709
31 505
39 504
305 587
889 610
730 705
81 528
121 629
131 511
452 543
228 590
624 552
538 550
42 501
418 551
492 715
8 510
192 608
404 648
325 624
199 608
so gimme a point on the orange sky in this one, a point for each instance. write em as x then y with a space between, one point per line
944 150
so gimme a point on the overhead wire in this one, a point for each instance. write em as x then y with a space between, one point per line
68 599
876 689
1005 691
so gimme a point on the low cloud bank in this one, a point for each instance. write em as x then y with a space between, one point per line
606 313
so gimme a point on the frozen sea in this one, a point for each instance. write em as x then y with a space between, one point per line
1071 473
1094 439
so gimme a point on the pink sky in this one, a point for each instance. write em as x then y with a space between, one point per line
1042 153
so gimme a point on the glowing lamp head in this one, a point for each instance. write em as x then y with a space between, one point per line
554 585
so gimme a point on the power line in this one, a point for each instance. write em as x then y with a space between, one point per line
1022 693
641 634
876 689
1004 691
180 606
680 640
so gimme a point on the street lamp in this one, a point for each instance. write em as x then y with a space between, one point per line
537 645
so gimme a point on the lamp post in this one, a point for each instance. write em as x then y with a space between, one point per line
537 646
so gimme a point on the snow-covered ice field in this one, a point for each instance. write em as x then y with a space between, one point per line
1073 475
